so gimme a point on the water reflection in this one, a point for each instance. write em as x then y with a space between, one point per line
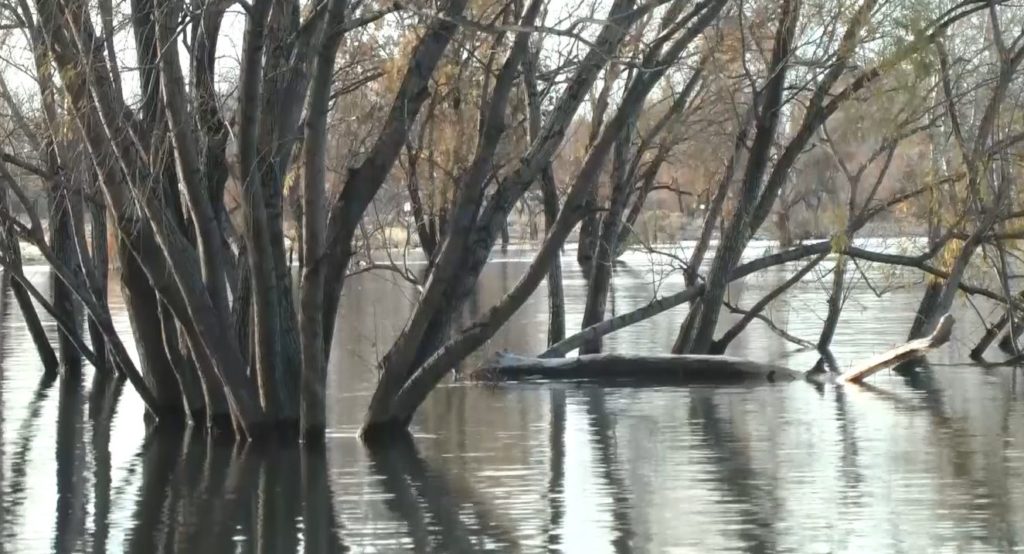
440 517
927 458
748 493
198 495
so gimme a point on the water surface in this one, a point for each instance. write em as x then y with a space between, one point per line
930 461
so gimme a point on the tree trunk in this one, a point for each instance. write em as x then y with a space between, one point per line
12 250
556 293
265 301
143 309
101 270
416 388
590 227
30 316
549 194
734 240
511 189
63 244
397 363
835 304
313 380
608 240
711 222
204 401
364 181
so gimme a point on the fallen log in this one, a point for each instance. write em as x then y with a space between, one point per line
913 349
674 369
689 369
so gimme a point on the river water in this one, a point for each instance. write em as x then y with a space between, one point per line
931 461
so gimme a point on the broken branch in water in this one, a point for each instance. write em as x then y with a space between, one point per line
910 350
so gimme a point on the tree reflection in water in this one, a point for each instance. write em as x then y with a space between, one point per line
200 495
196 494
440 514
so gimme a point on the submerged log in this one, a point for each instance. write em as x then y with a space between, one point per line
676 369
913 349
691 369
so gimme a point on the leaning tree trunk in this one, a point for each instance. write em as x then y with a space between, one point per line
660 369
12 251
736 236
394 419
511 189
835 304
401 358
143 309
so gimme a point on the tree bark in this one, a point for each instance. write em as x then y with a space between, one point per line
141 303
11 249
401 357
512 187
364 181
312 410
415 390
835 304
63 200
732 243
608 239
100 269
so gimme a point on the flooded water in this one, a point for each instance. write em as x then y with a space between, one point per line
929 462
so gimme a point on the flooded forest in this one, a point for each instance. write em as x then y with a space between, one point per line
511 275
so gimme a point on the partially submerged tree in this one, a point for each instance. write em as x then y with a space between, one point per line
470 112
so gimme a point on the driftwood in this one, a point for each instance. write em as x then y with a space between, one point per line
910 350
692 369
677 369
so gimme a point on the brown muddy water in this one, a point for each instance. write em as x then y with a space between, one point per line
927 462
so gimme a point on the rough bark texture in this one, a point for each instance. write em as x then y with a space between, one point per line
141 303
100 268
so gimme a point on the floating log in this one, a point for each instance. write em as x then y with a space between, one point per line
908 351
674 369
692 369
